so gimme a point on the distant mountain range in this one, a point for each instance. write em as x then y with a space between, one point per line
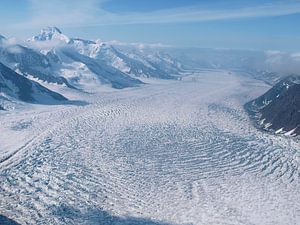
99 61
52 57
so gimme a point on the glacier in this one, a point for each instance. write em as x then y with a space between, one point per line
173 152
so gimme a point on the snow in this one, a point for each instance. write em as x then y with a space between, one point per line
262 121
171 152
267 102
267 125
77 60
51 33
290 133
279 131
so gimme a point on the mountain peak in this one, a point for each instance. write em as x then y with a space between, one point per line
51 33
51 30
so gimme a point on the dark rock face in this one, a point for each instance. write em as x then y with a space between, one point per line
278 108
6 221
18 86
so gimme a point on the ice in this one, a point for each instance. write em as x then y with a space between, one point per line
279 131
290 132
171 152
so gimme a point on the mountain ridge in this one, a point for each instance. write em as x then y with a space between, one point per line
278 109
20 88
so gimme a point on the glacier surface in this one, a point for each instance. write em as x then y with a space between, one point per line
173 152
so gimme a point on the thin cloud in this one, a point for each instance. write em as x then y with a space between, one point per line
77 13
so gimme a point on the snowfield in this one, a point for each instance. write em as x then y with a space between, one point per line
170 152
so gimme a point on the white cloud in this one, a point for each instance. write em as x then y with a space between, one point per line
282 62
61 12
136 44
79 13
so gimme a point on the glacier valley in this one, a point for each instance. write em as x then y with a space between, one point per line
167 152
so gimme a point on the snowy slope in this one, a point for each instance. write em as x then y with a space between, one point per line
130 64
42 58
105 73
29 62
19 87
72 57
133 61
157 59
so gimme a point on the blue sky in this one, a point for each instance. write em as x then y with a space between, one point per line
255 24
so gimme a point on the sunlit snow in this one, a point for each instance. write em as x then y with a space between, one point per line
173 152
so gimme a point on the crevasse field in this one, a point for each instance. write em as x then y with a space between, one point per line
173 152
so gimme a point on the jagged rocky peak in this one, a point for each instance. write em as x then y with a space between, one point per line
51 33
51 30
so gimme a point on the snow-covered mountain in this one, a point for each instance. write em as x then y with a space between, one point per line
106 74
17 87
51 33
133 61
158 59
73 59
139 62
53 57
128 63
29 62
